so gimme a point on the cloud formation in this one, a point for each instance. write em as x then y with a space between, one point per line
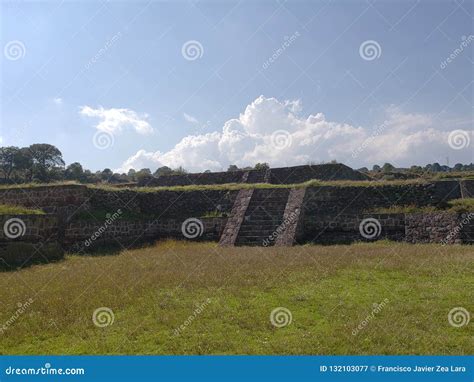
275 131
115 120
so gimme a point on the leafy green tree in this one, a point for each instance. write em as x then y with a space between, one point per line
262 166
74 172
7 160
232 167
45 158
387 167
165 170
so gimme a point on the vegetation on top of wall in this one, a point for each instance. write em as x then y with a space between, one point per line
6 209
403 210
456 205
240 186
461 205
35 185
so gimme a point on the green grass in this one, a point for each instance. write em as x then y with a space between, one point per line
455 206
18 210
403 210
241 186
34 185
329 290
462 205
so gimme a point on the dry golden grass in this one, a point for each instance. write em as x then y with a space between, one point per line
329 290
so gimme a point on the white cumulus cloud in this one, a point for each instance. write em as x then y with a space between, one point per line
276 132
115 120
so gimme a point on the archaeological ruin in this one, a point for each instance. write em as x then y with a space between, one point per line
321 204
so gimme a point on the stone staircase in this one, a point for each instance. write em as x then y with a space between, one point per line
263 216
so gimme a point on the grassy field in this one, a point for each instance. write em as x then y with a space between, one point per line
192 298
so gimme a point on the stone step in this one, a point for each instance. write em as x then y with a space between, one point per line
264 213
268 200
257 230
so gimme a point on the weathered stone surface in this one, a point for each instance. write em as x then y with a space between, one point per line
236 217
263 218
292 217
436 227
282 175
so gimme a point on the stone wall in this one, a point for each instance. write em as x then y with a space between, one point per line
85 235
165 204
467 188
282 175
333 200
27 239
198 179
329 229
437 227
324 172
29 228
63 200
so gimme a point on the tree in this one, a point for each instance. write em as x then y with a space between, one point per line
165 170
24 165
74 172
179 171
232 167
436 167
45 158
387 167
131 174
143 176
7 160
262 166
106 174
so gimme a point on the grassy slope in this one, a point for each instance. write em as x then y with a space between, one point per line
329 291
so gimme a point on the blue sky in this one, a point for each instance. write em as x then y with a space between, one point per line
282 82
